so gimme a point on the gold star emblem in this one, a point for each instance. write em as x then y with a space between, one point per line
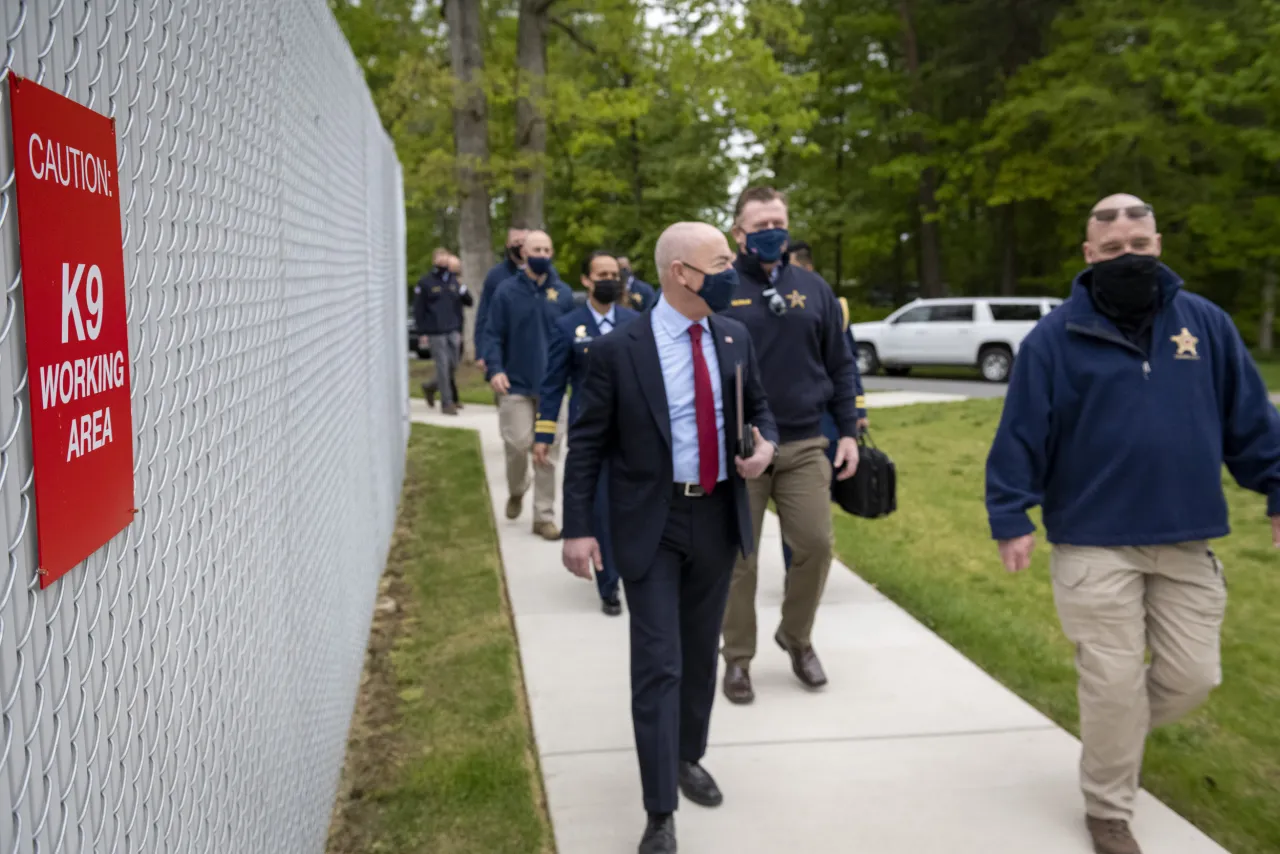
1186 345
580 332
796 299
552 295
636 299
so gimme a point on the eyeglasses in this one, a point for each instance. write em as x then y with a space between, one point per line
1132 212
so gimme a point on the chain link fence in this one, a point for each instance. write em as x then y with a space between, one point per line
189 688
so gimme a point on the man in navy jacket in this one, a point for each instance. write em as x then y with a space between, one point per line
1123 406
521 323
574 336
507 268
807 371
437 310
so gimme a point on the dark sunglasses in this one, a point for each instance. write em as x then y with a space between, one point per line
1132 212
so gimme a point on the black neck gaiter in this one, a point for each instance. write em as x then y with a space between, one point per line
1126 290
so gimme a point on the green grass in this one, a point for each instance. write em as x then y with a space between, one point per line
1220 768
472 387
1270 368
1268 365
440 756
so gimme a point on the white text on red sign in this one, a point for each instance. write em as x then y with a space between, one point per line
76 379
70 167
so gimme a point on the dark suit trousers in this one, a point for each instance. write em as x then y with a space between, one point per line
607 577
676 612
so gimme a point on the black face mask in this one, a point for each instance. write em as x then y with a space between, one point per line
513 253
1126 289
440 270
606 290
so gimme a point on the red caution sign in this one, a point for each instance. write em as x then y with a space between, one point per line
77 334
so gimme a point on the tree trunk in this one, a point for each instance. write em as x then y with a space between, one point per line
531 124
839 280
471 143
930 272
1009 246
1268 321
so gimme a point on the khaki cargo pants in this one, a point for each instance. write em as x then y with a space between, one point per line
1115 604
800 486
516 416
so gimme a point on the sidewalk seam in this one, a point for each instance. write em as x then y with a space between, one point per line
853 739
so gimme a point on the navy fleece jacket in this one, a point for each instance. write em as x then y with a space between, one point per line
1123 447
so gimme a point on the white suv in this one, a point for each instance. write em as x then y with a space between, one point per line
978 332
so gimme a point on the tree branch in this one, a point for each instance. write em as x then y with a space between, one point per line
573 34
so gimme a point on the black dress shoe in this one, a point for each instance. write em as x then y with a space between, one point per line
612 606
699 786
737 685
659 835
804 664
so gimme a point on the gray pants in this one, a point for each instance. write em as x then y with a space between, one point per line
444 352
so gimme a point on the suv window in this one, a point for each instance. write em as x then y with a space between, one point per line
962 313
1015 312
919 314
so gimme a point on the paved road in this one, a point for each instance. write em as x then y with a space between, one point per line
965 388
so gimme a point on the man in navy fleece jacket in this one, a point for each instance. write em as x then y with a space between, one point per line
1123 406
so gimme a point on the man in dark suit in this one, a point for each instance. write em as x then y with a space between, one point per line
659 409
572 341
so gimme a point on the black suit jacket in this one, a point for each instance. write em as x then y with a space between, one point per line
625 422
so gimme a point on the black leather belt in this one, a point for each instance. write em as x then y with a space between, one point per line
690 490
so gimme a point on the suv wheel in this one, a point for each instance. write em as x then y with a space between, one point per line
996 363
868 364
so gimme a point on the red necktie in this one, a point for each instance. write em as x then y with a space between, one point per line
704 404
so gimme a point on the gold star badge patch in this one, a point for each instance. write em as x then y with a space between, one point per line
636 300
796 299
552 295
1186 343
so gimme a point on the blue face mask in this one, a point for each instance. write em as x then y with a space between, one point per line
767 245
717 288
539 266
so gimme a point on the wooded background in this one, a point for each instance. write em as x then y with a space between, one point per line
929 147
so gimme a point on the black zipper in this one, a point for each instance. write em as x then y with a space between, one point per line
1120 340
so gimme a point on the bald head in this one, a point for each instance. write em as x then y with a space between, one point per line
537 244
690 243
685 254
1120 224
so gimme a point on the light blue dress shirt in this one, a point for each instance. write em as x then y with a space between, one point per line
675 352
604 322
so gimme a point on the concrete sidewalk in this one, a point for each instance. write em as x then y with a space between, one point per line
911 749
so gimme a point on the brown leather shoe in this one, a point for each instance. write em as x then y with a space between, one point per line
1112 836
737 685
448 409
546 530
804 664
514 505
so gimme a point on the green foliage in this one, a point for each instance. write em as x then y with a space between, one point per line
1024 113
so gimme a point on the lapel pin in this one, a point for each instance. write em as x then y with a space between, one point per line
728 339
